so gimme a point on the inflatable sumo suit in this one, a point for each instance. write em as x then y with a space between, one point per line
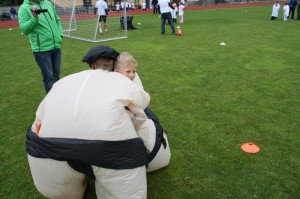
83 129
155 138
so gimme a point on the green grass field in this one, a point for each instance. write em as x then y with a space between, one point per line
210 98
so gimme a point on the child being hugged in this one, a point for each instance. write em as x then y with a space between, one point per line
151 131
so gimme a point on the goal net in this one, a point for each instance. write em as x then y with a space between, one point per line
80 21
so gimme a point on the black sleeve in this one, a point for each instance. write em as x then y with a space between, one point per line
171 6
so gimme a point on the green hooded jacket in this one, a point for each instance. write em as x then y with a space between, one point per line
45 33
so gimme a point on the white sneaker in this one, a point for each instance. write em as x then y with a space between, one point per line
100 30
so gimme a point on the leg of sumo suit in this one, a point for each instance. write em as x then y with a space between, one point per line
56 179
163 156
147 132
117 184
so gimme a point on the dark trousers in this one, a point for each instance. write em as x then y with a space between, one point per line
49 63
273 18
154 9
166 16
292 12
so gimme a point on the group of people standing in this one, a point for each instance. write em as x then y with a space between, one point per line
288 10
128 5
178 9
168 13
44 30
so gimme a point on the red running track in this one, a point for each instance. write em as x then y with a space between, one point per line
14 23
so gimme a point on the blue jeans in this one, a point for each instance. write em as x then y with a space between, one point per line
164 17
49 63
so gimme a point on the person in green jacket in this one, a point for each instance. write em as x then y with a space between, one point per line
39 20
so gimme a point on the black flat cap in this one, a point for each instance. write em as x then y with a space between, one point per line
100 51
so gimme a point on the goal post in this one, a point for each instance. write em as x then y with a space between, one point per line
80 21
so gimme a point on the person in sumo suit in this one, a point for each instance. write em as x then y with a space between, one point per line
82 129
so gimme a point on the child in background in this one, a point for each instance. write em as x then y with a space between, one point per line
275 11
118 7
160 155
286 12
174 12
181 12
144 6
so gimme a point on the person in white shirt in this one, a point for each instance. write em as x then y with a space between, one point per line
128 5
286 12
275 11
122 5
101 7
118 7
165 14
144 6
181 12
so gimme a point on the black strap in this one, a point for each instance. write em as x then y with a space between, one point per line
82 167
123 154
159 135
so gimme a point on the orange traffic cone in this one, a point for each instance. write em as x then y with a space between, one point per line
250 147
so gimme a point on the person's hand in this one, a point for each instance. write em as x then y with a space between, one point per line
32 9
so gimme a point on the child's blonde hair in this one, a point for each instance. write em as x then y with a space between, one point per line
125 59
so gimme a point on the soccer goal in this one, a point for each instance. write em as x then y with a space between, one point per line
80 21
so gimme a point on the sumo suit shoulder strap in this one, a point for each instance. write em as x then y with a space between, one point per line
159 134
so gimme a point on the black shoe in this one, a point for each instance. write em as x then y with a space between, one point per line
174 33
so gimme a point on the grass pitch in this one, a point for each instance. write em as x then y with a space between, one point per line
210 98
